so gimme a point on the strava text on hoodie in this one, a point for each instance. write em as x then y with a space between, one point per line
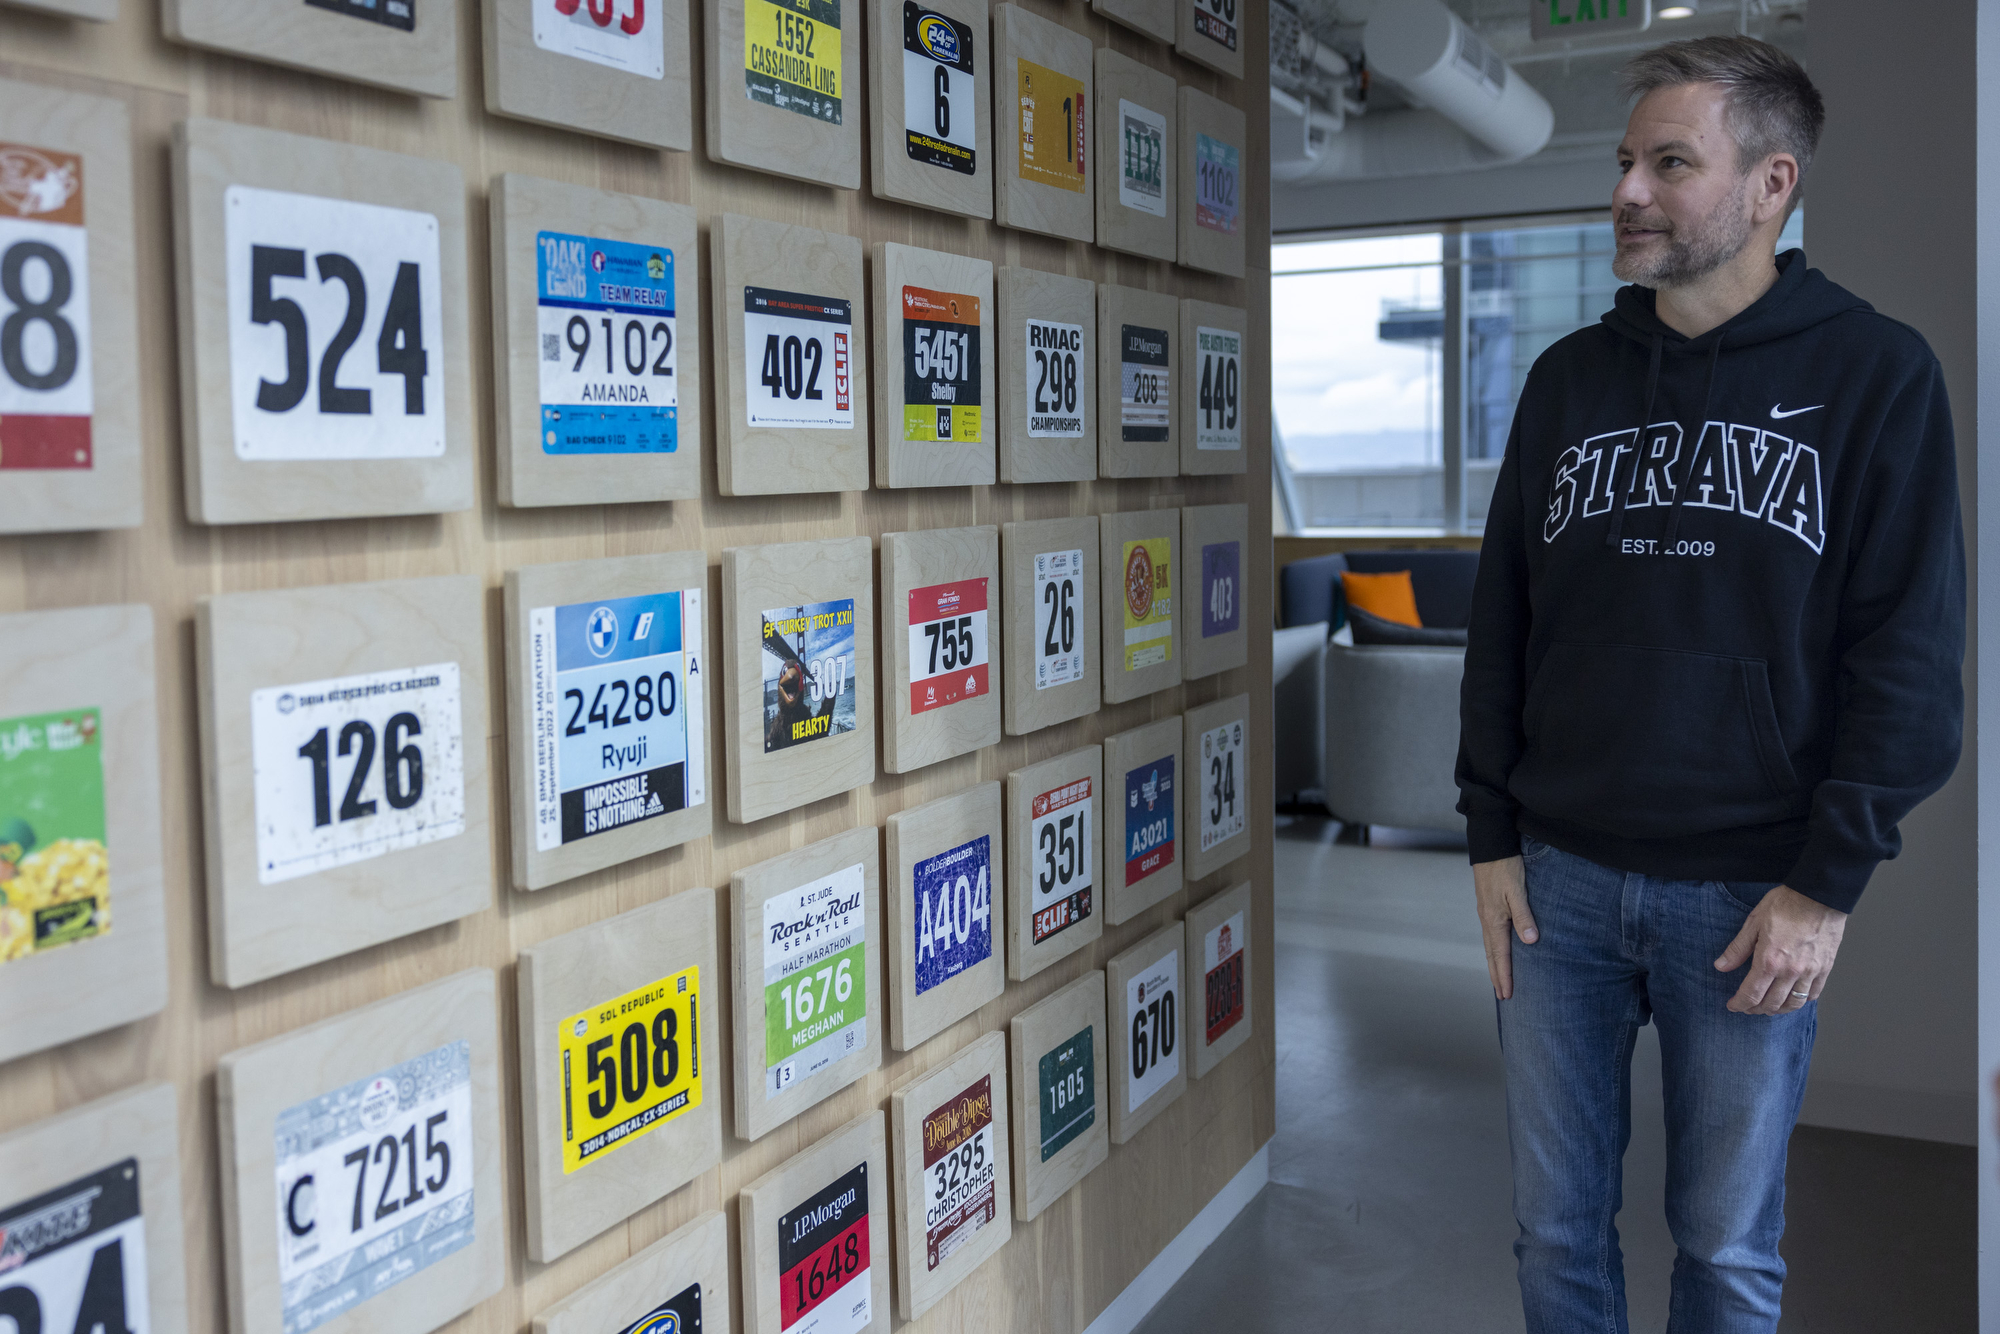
1720 613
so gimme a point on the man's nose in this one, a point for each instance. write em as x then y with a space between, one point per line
1632 190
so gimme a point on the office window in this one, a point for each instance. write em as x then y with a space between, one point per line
1362 361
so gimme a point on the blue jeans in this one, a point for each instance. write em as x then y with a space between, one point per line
1616 950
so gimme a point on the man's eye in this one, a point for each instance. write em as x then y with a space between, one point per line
1671 162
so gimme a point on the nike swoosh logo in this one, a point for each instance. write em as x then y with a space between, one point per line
1777 415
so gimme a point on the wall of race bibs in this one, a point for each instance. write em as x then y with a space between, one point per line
495 504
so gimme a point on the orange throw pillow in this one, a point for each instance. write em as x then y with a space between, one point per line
1389 596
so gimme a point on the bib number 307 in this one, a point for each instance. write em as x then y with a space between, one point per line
336 339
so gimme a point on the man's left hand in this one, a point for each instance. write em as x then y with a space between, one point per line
1789 941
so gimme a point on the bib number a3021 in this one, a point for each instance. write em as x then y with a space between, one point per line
75 1257
1217 423
948 657
355 767
1054 367
800 347
629 1065
45 363
1152 999
374 1184
336 335
939 108
1222 770
1058 607
1060 854
1150 801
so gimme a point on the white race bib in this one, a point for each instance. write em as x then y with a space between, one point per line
1058 609
796 359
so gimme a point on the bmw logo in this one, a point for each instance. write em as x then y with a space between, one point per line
602 632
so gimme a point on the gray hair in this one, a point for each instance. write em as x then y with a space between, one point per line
1773 106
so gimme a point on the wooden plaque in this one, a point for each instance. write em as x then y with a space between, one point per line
97 11
1041 77
1143 616
1143 822
1147 978
266 434
300 690
1219 974
1056 1057
117 1162
798 654
934 412
571 428
69 424
1051 676
1213 158
1055 860
950 1131
577 72
591 643
1047 364
685 1274
941 645
805 284
933 138
1213 410
409 46
777 1075
1136 133
83 934
947 941
581 994
1152 18
1139 369
835 1193
1210 32
1218 790
420 1070
807 131
1215 554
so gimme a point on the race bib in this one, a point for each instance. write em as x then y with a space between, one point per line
1142 159
1217 425
336 333
74 1258
45 370
618 691
953 897
939 110
815 977
1052 127
1216 20
622 34
1222 766
1149 819
400 14
791 56
1153 1000
355 767
800 345
1067 1077
1145 400
948 660
959 1171
374 1184
1215 184
628 1065
940 366
1054 365
1059 852
608 354
1058 604
1222 966
1221 570
678 1314
55 871
1149 604
823 1280
809 687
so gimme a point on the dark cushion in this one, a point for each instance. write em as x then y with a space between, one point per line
1442 580
1372 629
1309 590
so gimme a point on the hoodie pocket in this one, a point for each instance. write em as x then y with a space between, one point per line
1653 743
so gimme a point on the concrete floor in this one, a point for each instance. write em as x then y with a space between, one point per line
1389 1207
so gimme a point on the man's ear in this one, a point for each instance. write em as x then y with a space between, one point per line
1777 179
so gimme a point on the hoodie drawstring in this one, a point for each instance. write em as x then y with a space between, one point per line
1645 420
1700 426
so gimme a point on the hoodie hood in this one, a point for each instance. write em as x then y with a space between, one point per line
1801 298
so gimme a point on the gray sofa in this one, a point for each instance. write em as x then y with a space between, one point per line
1373 729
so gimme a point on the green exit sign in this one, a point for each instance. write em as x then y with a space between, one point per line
1562 20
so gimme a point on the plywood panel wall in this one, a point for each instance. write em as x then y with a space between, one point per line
1059 1270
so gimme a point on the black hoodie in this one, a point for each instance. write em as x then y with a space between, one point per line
1728 648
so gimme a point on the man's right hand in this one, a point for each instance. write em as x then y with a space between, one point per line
1502 889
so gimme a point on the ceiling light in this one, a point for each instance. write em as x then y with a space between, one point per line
1677 12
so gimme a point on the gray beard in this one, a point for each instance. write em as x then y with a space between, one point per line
1706 247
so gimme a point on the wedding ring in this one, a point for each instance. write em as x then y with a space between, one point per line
1801 995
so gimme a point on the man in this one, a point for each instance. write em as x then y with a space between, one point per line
1714 659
